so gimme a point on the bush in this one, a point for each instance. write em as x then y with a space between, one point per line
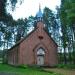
29 66
23 66
60 66
70 66
66 66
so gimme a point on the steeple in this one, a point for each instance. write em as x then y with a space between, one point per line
39 7
39 19
39 15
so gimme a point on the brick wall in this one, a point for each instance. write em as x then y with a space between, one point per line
25 52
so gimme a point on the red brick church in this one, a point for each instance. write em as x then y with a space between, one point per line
37 48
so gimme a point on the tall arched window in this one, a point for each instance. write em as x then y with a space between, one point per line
40 51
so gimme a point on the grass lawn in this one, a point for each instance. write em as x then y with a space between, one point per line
24 71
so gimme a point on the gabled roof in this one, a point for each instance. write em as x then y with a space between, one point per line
22 39
29 35
50 36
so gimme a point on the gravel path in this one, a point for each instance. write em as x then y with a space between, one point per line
62 71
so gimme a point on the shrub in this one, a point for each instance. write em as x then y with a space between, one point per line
23 66
66 66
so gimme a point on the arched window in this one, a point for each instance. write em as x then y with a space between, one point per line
40 51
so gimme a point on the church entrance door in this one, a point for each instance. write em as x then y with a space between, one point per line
40 60
40 56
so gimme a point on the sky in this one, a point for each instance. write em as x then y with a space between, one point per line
31 7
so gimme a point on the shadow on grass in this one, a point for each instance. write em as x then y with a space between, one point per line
24 70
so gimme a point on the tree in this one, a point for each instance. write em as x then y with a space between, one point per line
6 22
67 16
22 28
51 23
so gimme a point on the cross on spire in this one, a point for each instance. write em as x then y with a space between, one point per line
39 15
39 7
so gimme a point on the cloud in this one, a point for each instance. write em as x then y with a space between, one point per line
30 7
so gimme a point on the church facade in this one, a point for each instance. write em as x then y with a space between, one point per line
37 48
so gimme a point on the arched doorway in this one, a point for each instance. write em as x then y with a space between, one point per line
40 56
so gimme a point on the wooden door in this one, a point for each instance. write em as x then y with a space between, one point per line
40 60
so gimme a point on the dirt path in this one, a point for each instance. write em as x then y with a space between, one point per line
62 71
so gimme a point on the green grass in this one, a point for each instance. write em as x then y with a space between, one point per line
25 71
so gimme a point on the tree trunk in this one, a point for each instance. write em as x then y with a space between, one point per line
65 59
